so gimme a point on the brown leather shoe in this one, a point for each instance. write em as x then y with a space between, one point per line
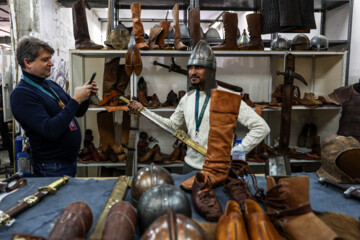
137 63
231 224
142 99
204 198
149 154
258 223
158 157
155 102
128 62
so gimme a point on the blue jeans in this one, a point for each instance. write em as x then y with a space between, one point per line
55 169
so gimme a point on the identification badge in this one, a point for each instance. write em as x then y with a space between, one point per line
72 125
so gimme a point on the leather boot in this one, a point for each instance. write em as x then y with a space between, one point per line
258 223
254 27
175 155
81 30
230 21
154 33
149 154
110 75
138 28
142 99
122 80
287 202
182 151
194 25
106 129
231 225
121 222
204 198
235 184
171 100
181 94
178 45
74 222
137 63
160 40
118 149
155 102
224 111
129 68
158 157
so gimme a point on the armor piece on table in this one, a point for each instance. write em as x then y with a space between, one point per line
319 43
120 222
280 43
148 177
74 222
156 201
174 226
340 159
300 42
203 56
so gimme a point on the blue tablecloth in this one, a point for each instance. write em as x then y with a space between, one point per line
40 219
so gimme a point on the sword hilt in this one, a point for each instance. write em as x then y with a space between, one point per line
51 189
128 102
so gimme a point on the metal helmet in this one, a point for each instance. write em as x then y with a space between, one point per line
319 43
148 177
212 35
202 55
119 38
280 43
156 201
174 225
300 42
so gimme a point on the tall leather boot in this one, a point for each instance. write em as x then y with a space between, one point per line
154 33
81 30
224 111
106 129
122 80
194 25
110 75
138 27
230 21
178 45
74 222
254 27
160 40
287 202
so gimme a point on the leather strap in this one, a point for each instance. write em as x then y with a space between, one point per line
291 212
19 183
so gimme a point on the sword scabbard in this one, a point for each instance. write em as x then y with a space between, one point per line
185 138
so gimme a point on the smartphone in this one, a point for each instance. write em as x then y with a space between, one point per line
92 78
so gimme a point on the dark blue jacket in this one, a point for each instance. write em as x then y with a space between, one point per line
52 139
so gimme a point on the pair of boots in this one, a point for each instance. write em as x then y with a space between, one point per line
89 152
133 62
81 30
114 153
230 21
153 154
232 225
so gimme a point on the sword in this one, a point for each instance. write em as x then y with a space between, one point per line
349 192
179 134
7 216
4 185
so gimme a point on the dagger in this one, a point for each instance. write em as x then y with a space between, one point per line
179 134
5 183
349 192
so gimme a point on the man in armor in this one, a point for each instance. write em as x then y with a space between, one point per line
193 108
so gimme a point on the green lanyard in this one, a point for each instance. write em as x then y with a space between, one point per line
56 97
199 119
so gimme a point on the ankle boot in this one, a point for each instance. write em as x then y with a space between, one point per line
149 154
154 33
178 45
74 222
81 30
158 157
230 21
175 155
224 110
204 198
110 75
254 27
171 100
231 225
142 99
258 224
138 27
122 80
155 102
160 40
287 202
194 25
120 221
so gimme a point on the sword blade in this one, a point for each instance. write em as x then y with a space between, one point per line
157 122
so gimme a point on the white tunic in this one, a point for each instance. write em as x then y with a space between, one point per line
185 111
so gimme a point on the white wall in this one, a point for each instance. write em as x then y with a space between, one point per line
354 68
